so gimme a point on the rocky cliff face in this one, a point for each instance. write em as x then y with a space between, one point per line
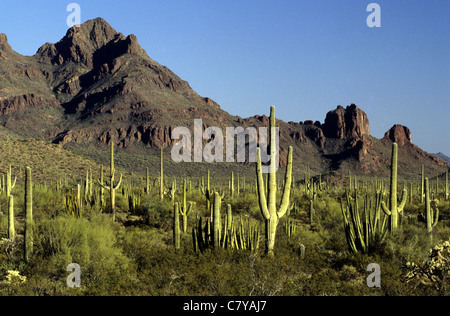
399 134
99 86
344 123
104 84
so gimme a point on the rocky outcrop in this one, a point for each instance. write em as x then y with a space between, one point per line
151 135
344 123
4 45
399 134
359 147
22 102
315 134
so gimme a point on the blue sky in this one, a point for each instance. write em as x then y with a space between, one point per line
304 57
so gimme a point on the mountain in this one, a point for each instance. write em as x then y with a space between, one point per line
442 157
96 86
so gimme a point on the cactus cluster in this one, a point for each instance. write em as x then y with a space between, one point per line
213 235
363 229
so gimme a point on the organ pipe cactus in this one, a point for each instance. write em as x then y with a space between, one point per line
394 209
363 230
28 236
214 235
112 187
268 206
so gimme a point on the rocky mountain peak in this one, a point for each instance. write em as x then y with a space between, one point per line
399 134
344 123
88 44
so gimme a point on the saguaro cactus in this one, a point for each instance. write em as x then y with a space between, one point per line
185 210
394 209
432 219
28 238
9 183
216 220
268 207
11 229
147 182
176 226
207 192
112 187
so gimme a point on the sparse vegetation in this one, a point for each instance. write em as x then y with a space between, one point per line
213 249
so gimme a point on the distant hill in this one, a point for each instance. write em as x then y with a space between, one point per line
442 156
96 86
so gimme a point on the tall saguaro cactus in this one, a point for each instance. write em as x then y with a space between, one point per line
431 218
11 229
394 209
112 187
28 238
176 226
185 210
9 183
268 206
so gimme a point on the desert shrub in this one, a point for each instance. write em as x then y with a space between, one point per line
91 244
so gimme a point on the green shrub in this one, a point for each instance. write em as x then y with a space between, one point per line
91 244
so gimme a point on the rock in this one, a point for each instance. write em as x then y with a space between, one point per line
4 45
12 104
315 134
344 123
398 134
359 147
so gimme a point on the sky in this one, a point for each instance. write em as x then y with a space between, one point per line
304 57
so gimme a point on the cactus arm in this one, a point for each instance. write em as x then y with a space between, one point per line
436 218
118 184
385 209
103 186
261 189
287 186
403 201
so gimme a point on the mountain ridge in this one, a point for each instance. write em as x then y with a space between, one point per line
97 85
